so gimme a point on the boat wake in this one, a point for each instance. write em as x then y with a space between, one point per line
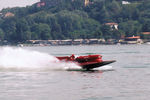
102 68
19 59
105 68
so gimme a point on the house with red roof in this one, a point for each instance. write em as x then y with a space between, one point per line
40 4
133 40
146 33
9 14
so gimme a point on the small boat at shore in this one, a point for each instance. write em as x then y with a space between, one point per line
86 62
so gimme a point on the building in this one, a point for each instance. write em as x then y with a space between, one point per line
93 41
125 2
77 41
56 2
145 36
86 2
51 3
112 25
66 42
133 40
40 4
146 33
9 14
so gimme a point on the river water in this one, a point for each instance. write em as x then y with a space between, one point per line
32 73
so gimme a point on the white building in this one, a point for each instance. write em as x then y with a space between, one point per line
125 2
112 25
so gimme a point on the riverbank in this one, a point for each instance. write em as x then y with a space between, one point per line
74 42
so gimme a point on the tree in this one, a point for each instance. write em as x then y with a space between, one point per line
114 7
41 31
107 32
45 32
116 34
22 31
130 28
65 19
9 28
146 27
1 34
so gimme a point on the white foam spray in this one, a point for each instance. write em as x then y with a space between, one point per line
18 59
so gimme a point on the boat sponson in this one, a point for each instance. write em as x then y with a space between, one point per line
95 65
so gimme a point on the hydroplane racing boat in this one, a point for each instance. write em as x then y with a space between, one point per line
86 62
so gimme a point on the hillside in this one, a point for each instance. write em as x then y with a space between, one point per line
71 19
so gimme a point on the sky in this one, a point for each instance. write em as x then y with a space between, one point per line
16 3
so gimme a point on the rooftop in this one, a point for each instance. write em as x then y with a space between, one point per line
111 24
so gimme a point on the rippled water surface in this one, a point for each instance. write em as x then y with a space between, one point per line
32 73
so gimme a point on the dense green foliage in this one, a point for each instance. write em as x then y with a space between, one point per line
71 19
